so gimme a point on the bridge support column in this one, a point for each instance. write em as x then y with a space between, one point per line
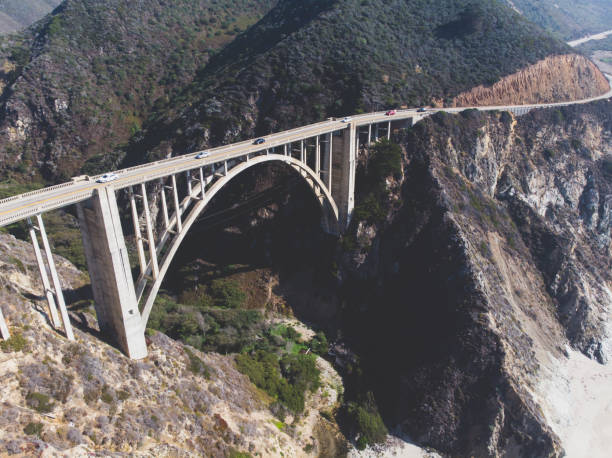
55 295
137 233
4 331
54 317
302 152
162 192
188 178
202 184
318 156
109 269
343 185
177 206
150 238
330 143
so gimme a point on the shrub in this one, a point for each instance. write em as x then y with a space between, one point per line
39 402
237 454
196 365
33 429
318 344
16 343
286 379
227 293
106 395
385 161
367 421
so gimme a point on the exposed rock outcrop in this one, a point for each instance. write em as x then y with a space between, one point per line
497 258
553 79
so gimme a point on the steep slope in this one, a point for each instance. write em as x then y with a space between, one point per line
81 81
18 14
493 255
550 80
308 60
84 397
566 18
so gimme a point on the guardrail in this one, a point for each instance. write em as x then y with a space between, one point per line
36 192
14 217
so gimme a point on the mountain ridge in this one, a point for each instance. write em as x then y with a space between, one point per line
412 55
18 14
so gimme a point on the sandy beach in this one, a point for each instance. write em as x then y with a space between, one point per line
577 402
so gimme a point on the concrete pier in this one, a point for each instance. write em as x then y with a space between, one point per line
110 272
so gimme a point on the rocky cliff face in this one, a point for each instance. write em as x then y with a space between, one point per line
554 79
497 258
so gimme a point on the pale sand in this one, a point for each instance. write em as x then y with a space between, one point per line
577 402
576 398
394 447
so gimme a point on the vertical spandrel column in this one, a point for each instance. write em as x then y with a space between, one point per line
57 286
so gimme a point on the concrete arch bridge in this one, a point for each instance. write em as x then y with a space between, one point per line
324 154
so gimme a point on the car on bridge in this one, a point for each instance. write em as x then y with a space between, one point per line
422 110
259 141
110 176
202 155
390 113
347 119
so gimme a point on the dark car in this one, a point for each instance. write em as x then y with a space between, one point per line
259 141
421 110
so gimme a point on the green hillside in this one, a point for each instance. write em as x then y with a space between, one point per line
568 19
310 59
81 81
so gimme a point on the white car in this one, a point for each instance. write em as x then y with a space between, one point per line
202 155
107 177
347 119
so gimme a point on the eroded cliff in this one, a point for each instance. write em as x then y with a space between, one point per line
557 78
496 257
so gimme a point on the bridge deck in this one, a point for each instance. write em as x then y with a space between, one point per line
25 205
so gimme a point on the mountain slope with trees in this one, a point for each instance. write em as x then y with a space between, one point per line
81 81
566 18
307 60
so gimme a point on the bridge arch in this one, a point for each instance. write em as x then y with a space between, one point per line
330 216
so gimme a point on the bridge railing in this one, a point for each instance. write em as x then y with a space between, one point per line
36 192
17 216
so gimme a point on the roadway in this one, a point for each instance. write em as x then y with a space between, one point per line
28 204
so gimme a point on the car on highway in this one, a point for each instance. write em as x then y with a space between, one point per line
202 155
110 176
347 119
259 141
422 110
390 113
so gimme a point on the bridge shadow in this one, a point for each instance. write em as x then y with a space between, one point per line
80 305
81 312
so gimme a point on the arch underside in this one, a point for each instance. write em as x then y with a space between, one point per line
330 218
